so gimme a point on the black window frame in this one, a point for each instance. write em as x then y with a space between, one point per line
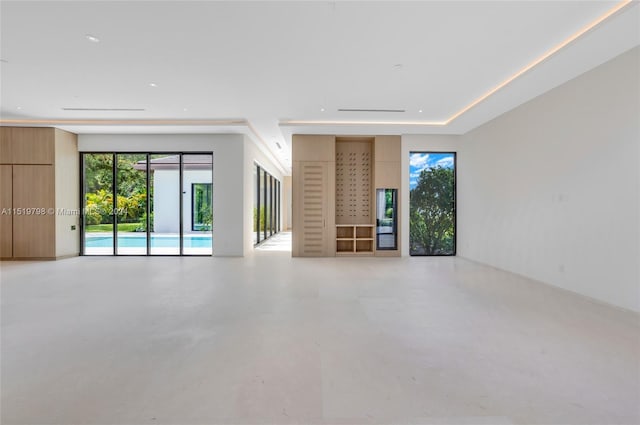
455 204
268 200
114 191
193 203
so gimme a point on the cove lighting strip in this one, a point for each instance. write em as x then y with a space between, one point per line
126 122
482 98
474 103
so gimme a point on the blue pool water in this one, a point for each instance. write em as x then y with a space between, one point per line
140 241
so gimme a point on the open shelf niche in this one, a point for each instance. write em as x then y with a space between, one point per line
354 206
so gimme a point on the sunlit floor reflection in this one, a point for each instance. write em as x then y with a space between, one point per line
279 242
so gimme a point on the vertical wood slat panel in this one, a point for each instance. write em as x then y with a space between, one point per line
313 213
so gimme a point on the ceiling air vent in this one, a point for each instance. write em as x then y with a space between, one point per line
369 110
105 109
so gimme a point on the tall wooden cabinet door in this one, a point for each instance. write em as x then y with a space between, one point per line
6 223
311 229
6 155
32 145
34 217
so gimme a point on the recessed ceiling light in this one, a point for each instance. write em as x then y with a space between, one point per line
321 109
92 38
420 110
19 107
185 109
153 85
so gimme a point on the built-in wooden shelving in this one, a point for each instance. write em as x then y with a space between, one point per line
354 239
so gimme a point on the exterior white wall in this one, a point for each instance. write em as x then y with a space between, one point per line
228 174
252 156
166 215
426 143
551 189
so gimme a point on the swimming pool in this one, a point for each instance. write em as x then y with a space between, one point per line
140 241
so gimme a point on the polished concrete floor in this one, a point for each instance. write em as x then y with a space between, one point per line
273 340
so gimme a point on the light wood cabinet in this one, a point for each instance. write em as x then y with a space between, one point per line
388 176
312 236
356 239
334 182
313 196
6 206
313 148
6 155
32 145
354 196
34 203
37 224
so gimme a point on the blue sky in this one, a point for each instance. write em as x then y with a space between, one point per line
420 161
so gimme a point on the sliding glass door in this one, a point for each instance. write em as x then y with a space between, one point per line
266 207
131 211
163 204
197 204
98 182
165 194
432 203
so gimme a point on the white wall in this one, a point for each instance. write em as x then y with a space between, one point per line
228 174
418 143
67 194
166 215
253 155
550 190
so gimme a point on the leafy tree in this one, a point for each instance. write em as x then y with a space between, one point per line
98 169
130 180
431 229
132 186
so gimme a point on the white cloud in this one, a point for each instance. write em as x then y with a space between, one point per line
419 160
445 162
414 175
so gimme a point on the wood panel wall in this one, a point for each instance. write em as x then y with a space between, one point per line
354 172
34 234
6 205
309 152
28 182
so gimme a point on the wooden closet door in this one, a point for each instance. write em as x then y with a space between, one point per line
33 234
312 195
6 222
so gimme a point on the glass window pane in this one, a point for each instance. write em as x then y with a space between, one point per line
164 182
432 203
131 208
98 203
386 220
197 204
268 206
256 203
263 203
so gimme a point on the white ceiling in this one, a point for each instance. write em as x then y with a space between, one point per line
265 63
